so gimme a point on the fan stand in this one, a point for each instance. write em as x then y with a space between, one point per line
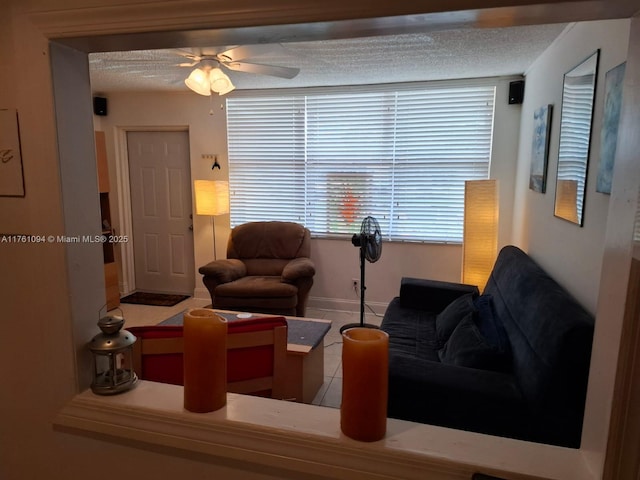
362 289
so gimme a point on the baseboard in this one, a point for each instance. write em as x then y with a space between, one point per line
201 294
345 305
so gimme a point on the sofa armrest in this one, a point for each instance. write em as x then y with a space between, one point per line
431 295
224 271
298 268
457 397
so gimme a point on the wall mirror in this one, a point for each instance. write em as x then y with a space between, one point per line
578 94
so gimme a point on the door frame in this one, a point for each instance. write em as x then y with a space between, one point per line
127 257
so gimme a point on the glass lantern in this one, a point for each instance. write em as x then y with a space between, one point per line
112 357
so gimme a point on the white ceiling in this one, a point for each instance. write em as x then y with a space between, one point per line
447 54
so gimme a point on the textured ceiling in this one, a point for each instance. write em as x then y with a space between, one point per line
449 54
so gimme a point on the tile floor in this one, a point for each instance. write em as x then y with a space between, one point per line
329 394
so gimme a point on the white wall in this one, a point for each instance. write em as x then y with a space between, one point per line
571 254
337 261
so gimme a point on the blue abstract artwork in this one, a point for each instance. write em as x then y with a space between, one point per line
540 148
609 134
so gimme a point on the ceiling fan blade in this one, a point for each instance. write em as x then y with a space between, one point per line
271 70
237 54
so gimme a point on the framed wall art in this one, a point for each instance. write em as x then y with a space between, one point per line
613 81
11 174
540 148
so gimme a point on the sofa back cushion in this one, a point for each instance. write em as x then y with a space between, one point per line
452 315
549 332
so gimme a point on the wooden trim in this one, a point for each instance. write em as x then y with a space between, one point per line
622 460
202 20
279 362
249 339
156 346
251 386
306 440
276 337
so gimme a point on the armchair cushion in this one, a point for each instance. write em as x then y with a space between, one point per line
298 268
256 286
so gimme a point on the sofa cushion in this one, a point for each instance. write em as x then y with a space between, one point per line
450 317
490 325
467 347
549 332
412 332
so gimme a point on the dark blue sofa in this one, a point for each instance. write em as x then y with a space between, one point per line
530 380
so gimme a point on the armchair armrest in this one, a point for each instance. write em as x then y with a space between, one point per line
224 271
431 295
298 268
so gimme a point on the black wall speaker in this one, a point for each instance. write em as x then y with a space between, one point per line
516 92
100 106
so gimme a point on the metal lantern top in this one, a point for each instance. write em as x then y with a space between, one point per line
112 339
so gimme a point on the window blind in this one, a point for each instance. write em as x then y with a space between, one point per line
329 159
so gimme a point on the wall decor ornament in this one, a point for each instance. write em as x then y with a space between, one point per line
540 148
613 82
11 174
578 94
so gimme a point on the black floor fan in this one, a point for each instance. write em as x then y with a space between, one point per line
370 242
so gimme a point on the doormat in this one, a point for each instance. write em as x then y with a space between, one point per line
155 299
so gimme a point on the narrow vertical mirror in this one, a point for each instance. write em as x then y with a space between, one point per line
575 133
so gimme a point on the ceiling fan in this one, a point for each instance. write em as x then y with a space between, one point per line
208 75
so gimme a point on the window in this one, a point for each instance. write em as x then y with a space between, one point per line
329 158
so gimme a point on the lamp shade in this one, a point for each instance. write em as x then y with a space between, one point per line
198 81
220 82
480 243
212 197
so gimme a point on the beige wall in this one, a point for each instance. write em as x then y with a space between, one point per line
337 261
570 253
37 363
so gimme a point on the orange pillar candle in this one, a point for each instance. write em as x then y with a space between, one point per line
205 360
365 382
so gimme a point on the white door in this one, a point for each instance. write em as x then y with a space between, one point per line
160 182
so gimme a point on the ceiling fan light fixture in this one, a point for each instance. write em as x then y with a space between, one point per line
220 82
198 81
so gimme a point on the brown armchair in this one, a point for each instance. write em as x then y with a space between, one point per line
267 270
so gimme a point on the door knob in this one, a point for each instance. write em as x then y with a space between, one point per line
191 227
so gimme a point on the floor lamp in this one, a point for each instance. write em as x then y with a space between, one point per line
480 242
212 198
